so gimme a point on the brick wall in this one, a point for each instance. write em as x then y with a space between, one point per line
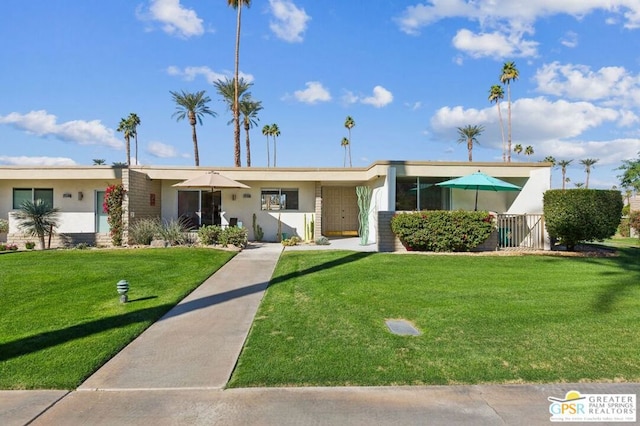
317 225
68 240
142 199
387 241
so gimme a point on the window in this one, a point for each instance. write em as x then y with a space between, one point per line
20 195
421 193
279 199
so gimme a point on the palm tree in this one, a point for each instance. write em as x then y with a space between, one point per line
587 163
550 159
563 167
344 144
99 161
579 184
125 127
517 149
469 134
349 123
274 131
266 130
249 109
496 94
237 4
192 106
38 219
227 89
134 122
528 150
509 73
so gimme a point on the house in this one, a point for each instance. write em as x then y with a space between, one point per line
283 198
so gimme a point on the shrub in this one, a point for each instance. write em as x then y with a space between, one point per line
577 215
8 247
29 245
175 232
82 246
624 227
634 221
143 231
291 241
441 230
209 234
234 235
4 226
112 205
322 241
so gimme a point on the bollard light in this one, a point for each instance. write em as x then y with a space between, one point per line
123 289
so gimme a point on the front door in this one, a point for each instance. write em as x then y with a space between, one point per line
339 211
102 226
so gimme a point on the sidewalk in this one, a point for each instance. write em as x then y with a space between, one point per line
175 372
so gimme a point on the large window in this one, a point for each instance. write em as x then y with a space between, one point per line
20 195
421 193
279 199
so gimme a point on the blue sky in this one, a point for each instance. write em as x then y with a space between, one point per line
408 72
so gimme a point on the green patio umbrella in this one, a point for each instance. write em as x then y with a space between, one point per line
479 181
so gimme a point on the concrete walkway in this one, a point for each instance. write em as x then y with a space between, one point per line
175 372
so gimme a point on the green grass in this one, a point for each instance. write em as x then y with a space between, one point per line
61 319
623 242
515 319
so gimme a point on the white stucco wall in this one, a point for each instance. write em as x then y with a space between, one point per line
529 200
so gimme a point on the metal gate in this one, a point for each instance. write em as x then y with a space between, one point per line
521 231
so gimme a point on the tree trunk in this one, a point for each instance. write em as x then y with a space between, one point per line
248 144
504 154
194 136
127 139
274 151
236 110
509 135
470 148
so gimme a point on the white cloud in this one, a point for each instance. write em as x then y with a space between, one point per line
36 161
503 23
381 97
161 150
570 39
314 93
611 85
191 73
494 44
41 123
175 18
290 22
494 13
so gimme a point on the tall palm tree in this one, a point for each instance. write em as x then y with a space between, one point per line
99 161
509 73
344 143
349 123
127 130
469 134
266 130
249 109
588 163
237 4
563 167
528 150
517 149
496 94
134 122
550 159
38 219
274 131
192 106
228 89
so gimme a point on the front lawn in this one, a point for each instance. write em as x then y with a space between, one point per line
484 319
60 315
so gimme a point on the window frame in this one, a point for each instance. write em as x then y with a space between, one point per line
284 197
32 198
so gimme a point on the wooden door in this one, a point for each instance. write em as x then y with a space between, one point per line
339 211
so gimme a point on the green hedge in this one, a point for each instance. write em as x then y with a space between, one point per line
441 230
577 215
215 234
